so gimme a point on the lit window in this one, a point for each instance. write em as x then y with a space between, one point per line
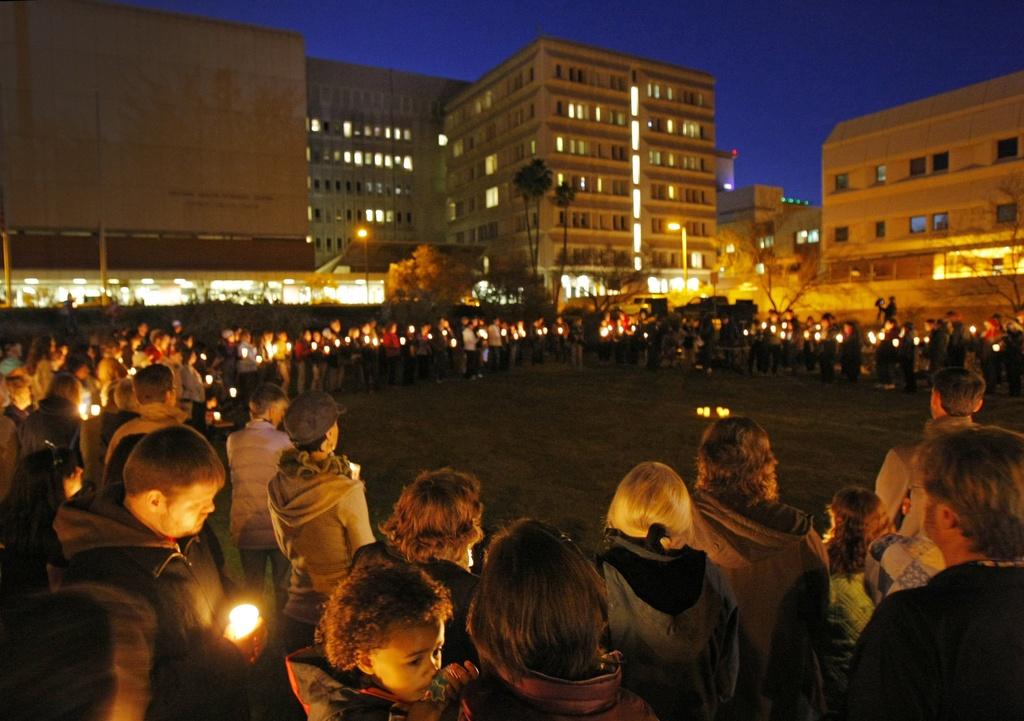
389 216
387 133
636 202
346 129
634 101
696 260
635 128
636 169
457 148
842 181
369 215
880 172
359 157
759 268
813 236
940 221
407 134
314 125
348 156
670 125
533 147
442 139
491 164
597 113
491 199
671 192
379 215
560 144
407 162
388 162
378 159
637 238
918 224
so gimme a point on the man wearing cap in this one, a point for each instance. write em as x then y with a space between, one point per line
318 510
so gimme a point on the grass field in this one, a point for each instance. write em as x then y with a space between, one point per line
552 443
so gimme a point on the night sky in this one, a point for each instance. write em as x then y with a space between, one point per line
786 72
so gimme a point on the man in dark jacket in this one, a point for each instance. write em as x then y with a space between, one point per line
148 537
952 649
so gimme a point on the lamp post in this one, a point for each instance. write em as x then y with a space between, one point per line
686 261
364 235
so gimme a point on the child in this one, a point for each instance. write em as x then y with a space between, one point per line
380 650
858 517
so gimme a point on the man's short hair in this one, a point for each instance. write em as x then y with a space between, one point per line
170 460
153 383
979 473
266 397
124 395
960 390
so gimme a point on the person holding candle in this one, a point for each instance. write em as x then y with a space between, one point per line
148 536
57 420
318 511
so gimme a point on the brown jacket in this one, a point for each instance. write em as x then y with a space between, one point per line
152 417
776 565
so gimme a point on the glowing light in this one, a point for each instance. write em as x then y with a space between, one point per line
233 392
242 621
454 343
209 379
259 358
839 338
974 329
895 342
94 410
996 348
401 341
216 416
83 411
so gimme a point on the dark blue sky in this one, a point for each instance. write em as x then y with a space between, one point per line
786 71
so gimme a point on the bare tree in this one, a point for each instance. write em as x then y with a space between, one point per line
611 271
1002 227
749 250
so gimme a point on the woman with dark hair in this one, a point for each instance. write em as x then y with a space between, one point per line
39 365
776 565
57 420
31 558
538 620
434 525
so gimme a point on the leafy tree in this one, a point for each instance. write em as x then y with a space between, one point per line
430 279
564 197
532 181
612 270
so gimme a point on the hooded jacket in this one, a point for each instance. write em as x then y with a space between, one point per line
56 421
777 568
152 417
536 697
320 519
196 674
674 618
327 695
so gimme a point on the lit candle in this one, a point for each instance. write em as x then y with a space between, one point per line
242 621
94 410
817 336
208 379
313 345
216 416
245 352
839 338
412 329
83 411
233 392
401 341
453 343
895 342
259 359
288 346
337 342
974 329
995 347
132 371
202 356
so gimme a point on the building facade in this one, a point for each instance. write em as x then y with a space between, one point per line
634 138
376 163
769 246
156 156
922 201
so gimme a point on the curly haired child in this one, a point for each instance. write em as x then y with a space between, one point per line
379 652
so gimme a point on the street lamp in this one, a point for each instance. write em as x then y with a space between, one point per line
686 261
364 235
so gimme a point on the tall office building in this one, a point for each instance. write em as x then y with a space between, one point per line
376 162
918 199
159 156
635 139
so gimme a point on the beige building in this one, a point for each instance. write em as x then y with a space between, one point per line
769 247
919 201
172 145
635 138
376 162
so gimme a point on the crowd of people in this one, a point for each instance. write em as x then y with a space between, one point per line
716 601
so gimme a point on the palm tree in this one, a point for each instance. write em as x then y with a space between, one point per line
565 195
532 181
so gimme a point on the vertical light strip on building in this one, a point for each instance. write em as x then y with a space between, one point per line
634 111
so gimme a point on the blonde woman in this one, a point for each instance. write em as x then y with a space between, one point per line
670 610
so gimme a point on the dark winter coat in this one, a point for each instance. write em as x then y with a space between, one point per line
674 619
777 568
56 420
196 674
536 697
953 649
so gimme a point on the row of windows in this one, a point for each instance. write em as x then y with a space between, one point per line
491 198
590 77
682 95
673 160
660 191
371 187
687 128
1005 213
348 129
359 99
807 236
487 231
359 158
939 162
593 184
583 111
693 227
370 215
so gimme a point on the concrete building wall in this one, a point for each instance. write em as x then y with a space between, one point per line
572 106
911 196
149 122
375 155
